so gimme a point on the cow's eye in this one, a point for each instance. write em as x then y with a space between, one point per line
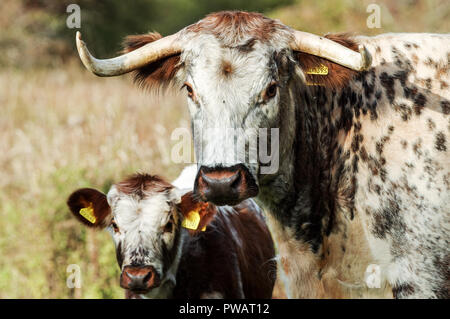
114 226
271 90
189 90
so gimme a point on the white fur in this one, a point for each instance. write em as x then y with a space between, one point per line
186 178
141 223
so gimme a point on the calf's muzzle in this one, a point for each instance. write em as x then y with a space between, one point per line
139 278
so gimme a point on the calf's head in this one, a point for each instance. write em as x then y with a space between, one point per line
145 217
237 69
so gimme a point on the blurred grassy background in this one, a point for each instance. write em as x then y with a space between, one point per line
62 128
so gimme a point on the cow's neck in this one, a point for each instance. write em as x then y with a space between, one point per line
313 163
310 199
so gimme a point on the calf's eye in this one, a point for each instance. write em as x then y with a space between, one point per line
114 226
168 227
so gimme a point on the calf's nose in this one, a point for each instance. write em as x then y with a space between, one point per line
139 278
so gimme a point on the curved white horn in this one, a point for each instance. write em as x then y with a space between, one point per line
333 51
130 61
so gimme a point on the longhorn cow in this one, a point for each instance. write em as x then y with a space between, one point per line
363 179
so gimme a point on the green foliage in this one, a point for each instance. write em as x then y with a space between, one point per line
40 241
105 23
37 29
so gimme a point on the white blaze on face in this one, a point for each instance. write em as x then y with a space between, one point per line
228 103
141 234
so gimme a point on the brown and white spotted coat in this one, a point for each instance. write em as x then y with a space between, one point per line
233 258
364 156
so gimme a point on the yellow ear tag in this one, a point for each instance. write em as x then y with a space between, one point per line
88 213
191 220
318 70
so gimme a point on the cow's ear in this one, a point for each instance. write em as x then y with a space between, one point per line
322 72
196 214
90 207
158 74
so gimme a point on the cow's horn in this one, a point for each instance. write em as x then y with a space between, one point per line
333 51
130 61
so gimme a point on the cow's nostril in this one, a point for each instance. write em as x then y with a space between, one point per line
235 178
141 278
236 181
206 180
212 181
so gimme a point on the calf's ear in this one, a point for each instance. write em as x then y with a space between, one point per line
196 214
90 207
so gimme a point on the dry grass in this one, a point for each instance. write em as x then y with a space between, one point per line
350 16
60 130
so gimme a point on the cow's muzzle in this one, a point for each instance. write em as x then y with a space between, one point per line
225 185
139 279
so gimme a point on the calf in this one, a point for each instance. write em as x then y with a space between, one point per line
169 245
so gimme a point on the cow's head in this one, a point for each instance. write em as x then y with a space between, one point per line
144 214
237 69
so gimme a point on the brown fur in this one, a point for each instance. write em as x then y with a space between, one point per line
206 211
236 249
338 75
155 75
256 241
140 184
82 198
249 23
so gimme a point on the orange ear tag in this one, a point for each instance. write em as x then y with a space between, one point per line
88 213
